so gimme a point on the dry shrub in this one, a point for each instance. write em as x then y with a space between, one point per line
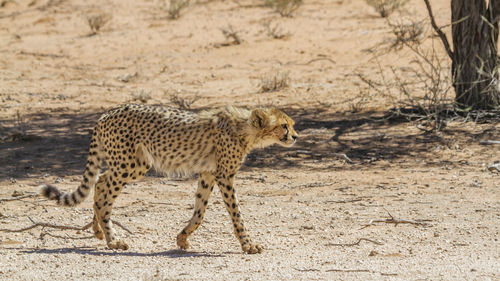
142 96
175 8
275 31
232 35
386 7
275 82
410 33
284 7
97 21
180 101
423 89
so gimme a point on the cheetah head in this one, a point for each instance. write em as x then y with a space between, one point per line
274 127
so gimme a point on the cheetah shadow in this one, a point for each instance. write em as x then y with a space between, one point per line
174 253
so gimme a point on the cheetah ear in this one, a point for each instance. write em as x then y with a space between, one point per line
259 118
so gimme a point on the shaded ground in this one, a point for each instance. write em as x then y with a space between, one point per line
299 203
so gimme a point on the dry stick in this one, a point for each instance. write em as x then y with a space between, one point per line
19 197
57 226
438 30
343 155
354 244
489 142
66 237
395 221
311 61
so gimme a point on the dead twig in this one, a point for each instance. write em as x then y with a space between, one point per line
58 226
18 197
66 237
483 142
354 244
344 156
349 270
396 221
311 61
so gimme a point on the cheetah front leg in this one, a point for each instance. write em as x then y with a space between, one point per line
231 201
206 184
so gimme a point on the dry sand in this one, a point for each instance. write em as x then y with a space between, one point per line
299 203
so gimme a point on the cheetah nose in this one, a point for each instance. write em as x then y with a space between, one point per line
294 138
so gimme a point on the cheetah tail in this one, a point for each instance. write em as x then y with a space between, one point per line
90 178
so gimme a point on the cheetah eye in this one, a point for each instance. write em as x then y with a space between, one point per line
285 126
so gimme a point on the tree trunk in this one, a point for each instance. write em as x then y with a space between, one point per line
474 68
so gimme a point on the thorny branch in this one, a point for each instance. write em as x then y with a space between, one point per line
18 197
356 243
396 221
57 226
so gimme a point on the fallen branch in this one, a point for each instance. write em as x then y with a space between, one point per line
18 197
344 201
349 270
57 226
354 244
66 237
311 61
344 156
483 142
396 221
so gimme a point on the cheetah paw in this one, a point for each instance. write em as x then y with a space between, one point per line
182 241
118 244
252 248
99 235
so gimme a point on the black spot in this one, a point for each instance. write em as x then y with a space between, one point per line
90 173
234 205
124 175
228 188
226 195
105 221
123 166
198 195
80 193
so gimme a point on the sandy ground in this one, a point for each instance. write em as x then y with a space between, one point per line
306 205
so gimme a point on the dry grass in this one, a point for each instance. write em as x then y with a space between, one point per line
231 35
284 7
97 21
411 33
274 82
175 7
386 7
142 96
421 91
275 31
180 101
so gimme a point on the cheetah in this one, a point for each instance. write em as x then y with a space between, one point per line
132 139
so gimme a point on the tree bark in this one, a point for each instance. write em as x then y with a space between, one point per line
474 59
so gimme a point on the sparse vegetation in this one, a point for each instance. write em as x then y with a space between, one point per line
97 21
386 7
175 7
232 35
410 33
142 96
284 7
423 88
275 82
275 31
179 101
